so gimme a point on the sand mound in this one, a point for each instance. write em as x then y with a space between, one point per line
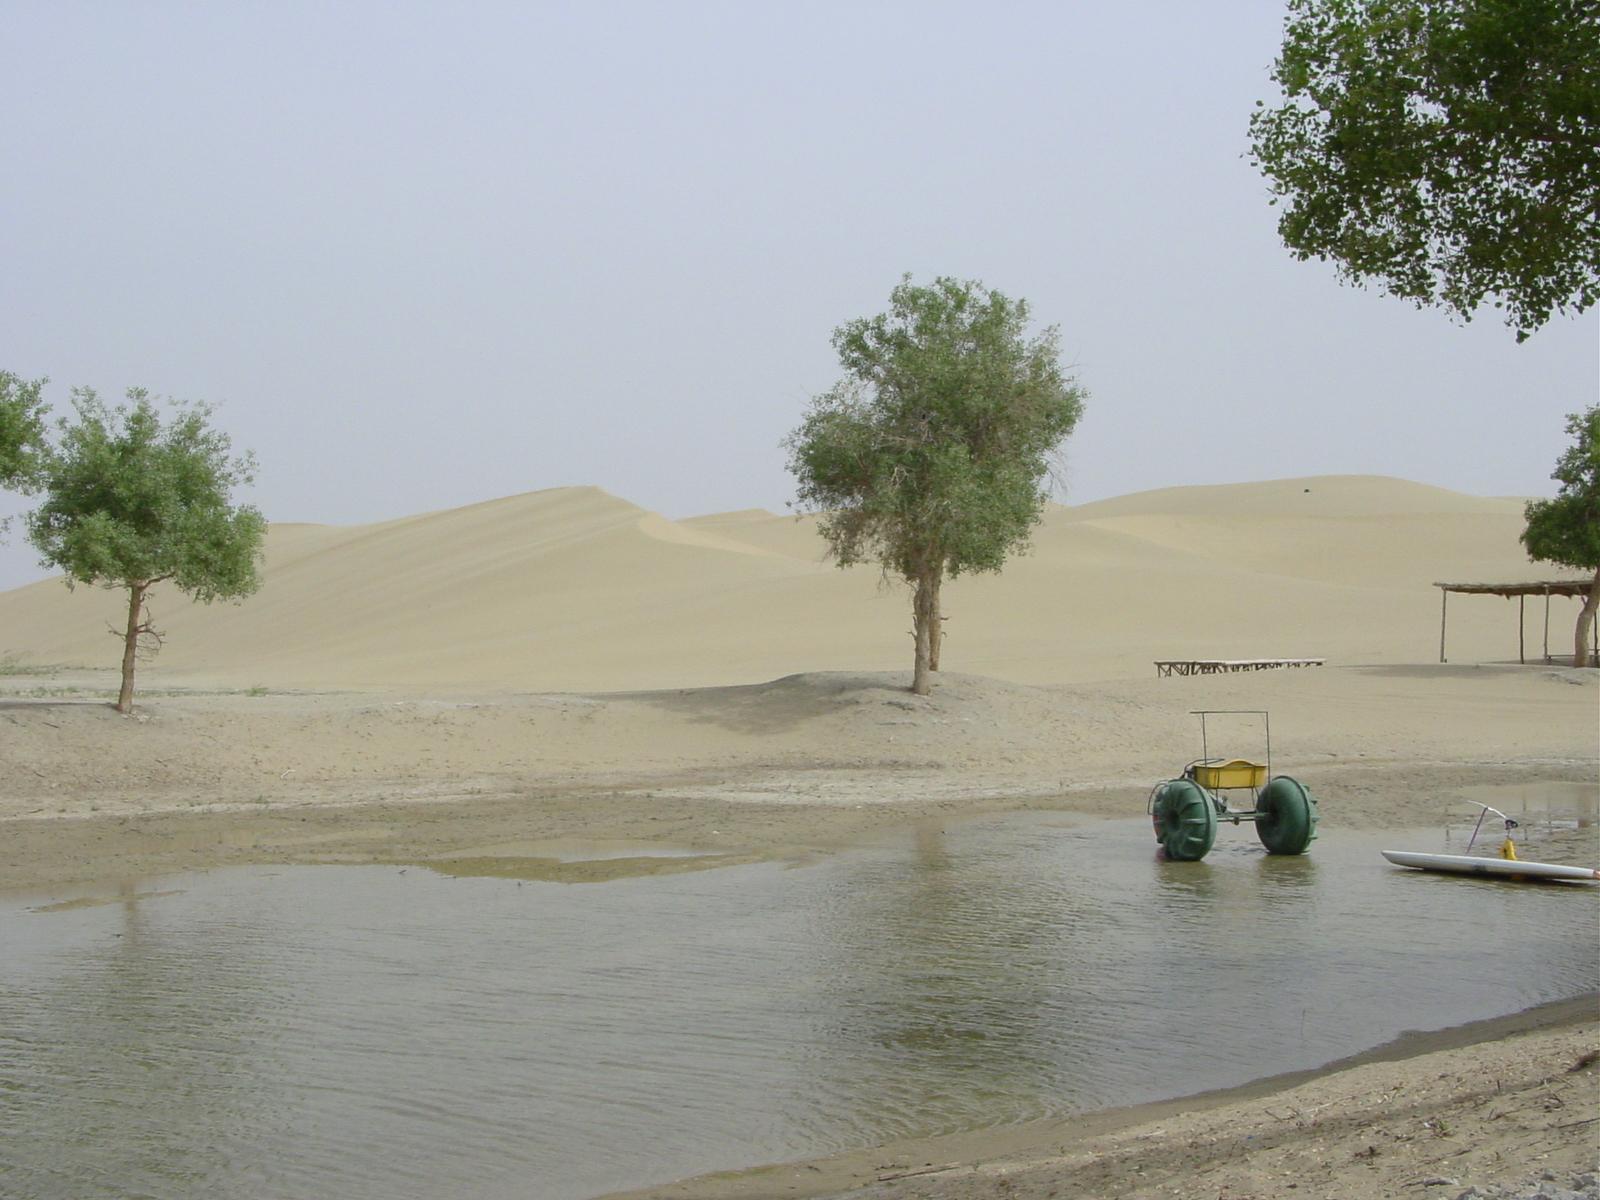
574 589
844 695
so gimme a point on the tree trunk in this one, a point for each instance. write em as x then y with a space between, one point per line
925 618
1580 647
130 644
935 639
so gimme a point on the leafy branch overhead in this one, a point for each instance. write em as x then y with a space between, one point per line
1448 150
22 431
1566 530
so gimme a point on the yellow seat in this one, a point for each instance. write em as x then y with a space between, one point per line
1235 774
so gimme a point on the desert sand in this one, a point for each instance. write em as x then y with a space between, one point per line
575 590
565 665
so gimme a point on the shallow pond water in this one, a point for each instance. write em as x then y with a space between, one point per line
405 1032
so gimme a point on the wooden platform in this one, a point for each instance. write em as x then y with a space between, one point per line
1220 666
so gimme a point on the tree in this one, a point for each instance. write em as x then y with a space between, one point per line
1448 149
932 456
1566 530
21 431
132 501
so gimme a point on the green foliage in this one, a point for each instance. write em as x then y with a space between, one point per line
1448 149
932 456
936 449
21 431
132 500
1566 530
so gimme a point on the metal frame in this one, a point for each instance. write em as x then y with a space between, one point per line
1203 713
1224 813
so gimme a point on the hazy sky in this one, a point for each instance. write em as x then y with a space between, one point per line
434 253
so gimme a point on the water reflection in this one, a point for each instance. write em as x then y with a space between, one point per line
1555 819
139 1064
371 1031
948 972
1185 882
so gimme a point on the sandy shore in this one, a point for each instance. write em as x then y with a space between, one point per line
811 764
805 764
1508 1103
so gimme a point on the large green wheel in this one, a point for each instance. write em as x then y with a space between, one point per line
1185 819
1287 823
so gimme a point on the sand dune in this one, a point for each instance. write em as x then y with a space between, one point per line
576 589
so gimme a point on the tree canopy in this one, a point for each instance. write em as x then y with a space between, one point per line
932 457
1447 149
132 500
22 435
1566 530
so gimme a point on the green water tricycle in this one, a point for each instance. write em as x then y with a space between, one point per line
1186 811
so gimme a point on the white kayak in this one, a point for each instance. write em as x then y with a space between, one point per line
1506 868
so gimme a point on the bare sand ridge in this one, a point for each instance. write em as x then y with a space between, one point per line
567 665
575 590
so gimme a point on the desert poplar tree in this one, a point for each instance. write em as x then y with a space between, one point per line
932 457
133 501
1448 150
1566 530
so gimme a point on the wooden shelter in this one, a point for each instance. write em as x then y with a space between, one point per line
1545 588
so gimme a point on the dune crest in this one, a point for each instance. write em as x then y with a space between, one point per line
684 533
1310 496
576 589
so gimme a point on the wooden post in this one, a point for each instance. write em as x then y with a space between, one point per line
1522 602
1547 624
1444 605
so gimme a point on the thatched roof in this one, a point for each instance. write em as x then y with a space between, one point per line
1549 587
